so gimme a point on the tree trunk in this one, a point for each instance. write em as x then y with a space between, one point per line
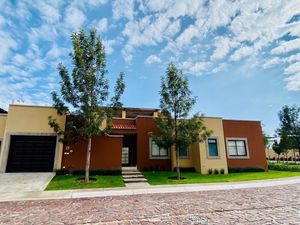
177 163
294 153
88 160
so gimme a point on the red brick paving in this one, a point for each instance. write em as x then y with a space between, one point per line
270 205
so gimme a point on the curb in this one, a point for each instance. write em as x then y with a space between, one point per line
157 189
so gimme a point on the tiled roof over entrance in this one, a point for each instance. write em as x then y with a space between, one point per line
123 124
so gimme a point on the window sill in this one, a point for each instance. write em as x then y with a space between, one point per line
213 157
238 157
159 157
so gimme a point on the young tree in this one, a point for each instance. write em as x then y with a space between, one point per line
175 129
277 149
289 118
85 89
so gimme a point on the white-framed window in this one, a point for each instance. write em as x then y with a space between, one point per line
183 153
237 148
212 147
157 152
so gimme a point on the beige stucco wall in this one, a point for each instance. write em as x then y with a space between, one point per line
271 154
2 125
30 120
216 125
198 152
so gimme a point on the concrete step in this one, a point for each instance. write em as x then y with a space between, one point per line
134 180
129 168
131 173
132 176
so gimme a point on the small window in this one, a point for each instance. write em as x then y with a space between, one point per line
237 148
183 152
213 147
157 151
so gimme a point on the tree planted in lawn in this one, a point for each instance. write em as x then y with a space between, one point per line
175 129
289 129
85 90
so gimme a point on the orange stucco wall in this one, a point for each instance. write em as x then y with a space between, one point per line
253 132
106 153
144 127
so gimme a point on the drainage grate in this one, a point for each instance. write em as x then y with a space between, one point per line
196 219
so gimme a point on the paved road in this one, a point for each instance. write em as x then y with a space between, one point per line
268 205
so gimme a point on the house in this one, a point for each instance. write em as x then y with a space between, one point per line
29 144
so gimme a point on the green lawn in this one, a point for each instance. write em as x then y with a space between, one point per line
156 178
65 182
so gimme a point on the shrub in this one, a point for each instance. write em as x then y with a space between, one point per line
244 169
210 171
222 171
216 171
285 167
61 172
103 172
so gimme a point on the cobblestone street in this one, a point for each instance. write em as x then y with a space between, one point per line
268 205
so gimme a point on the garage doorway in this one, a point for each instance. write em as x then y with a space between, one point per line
31 153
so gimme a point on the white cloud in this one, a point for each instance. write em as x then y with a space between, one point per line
8 43
242 52
293 68
287 46
48 12
74 18
42 33
219 68
293 58
152 59
272 62
123 9
102 25
56 52
19 59
109 46
293 82
223 45
158 5
195 68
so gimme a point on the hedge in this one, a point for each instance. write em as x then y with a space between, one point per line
244 169
285 167
102 172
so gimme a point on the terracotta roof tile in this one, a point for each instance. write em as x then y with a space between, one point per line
124 126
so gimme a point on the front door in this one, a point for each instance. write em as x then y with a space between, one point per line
125 156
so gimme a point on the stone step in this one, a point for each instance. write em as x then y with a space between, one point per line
131 173
134 180
132 176
130 168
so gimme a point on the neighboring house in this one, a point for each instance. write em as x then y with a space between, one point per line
29 144
289 155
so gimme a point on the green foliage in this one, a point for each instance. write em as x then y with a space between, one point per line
176 103
244 169
284 167
61 172
277 148
266 140
102 172
85 88
289 130
84 91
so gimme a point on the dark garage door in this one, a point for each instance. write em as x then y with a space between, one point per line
31 153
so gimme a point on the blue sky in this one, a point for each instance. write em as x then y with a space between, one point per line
242 57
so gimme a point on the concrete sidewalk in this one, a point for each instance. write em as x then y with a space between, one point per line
89 193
